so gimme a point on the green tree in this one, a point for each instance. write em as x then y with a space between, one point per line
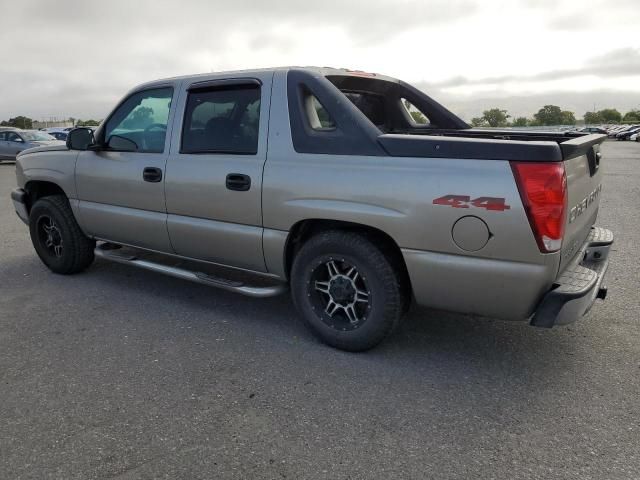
18 122
495 117
610 115
632 116
568 118
552 115
591 118
418 117
478 122
521 122
141 118
87 123
73 121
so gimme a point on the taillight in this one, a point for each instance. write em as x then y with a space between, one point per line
543 190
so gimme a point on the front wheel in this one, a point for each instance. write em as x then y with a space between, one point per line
57 238
348 292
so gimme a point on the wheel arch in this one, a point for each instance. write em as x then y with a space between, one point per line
302 230
37 189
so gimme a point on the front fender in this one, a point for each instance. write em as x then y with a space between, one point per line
55 166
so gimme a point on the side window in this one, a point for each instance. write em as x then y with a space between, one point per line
14 137
222 121
140 123
317 115
415 115
3 136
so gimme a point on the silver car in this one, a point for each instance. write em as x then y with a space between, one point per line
15 141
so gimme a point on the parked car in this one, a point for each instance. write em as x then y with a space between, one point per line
615 130
625 134
321 180
635 137
14 141
593 130
62 136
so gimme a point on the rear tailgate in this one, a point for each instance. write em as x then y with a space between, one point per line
582 161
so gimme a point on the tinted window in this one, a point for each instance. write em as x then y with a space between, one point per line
372 105
13 137
319 118
3 136
142 121
415 115
222 121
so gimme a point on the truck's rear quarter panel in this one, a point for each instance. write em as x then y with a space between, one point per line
504 279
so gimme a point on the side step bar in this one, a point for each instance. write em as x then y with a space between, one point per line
103 251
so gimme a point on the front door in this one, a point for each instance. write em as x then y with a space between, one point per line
121 186
214 171
4 148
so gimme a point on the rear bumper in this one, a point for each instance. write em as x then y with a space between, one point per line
577 288
19 199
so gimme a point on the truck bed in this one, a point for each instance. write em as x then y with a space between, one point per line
490 144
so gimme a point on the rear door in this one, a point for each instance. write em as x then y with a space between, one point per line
214 171
121 187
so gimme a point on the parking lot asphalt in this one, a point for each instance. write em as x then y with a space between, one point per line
122 373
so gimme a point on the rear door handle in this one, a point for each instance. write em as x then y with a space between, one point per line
152 174
238 182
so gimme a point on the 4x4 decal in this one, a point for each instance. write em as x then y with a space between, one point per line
464 201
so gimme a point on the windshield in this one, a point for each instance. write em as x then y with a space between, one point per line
37 136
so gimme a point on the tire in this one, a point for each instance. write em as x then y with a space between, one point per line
57 238
351 310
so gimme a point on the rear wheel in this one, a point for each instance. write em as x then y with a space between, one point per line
57 238
348 292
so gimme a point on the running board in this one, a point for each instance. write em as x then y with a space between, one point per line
126 258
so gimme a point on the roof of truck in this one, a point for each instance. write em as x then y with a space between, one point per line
319 70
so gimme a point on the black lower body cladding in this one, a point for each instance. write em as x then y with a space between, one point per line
581 283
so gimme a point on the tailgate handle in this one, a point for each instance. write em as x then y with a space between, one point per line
593 158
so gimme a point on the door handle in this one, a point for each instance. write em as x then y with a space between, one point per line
238 182
152 174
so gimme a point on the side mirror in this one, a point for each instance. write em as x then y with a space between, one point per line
121 144
80 139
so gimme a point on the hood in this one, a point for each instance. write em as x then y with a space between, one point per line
48 146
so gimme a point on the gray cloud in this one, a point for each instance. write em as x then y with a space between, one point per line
75 58
616 63
527 105
78 57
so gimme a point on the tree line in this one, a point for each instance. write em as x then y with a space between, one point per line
26 123
552 115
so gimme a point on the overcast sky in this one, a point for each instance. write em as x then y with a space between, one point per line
77 58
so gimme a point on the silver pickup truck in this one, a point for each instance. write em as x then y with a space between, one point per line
357 191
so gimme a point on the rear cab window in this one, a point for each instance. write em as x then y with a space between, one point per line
415 115
317 116
390 106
